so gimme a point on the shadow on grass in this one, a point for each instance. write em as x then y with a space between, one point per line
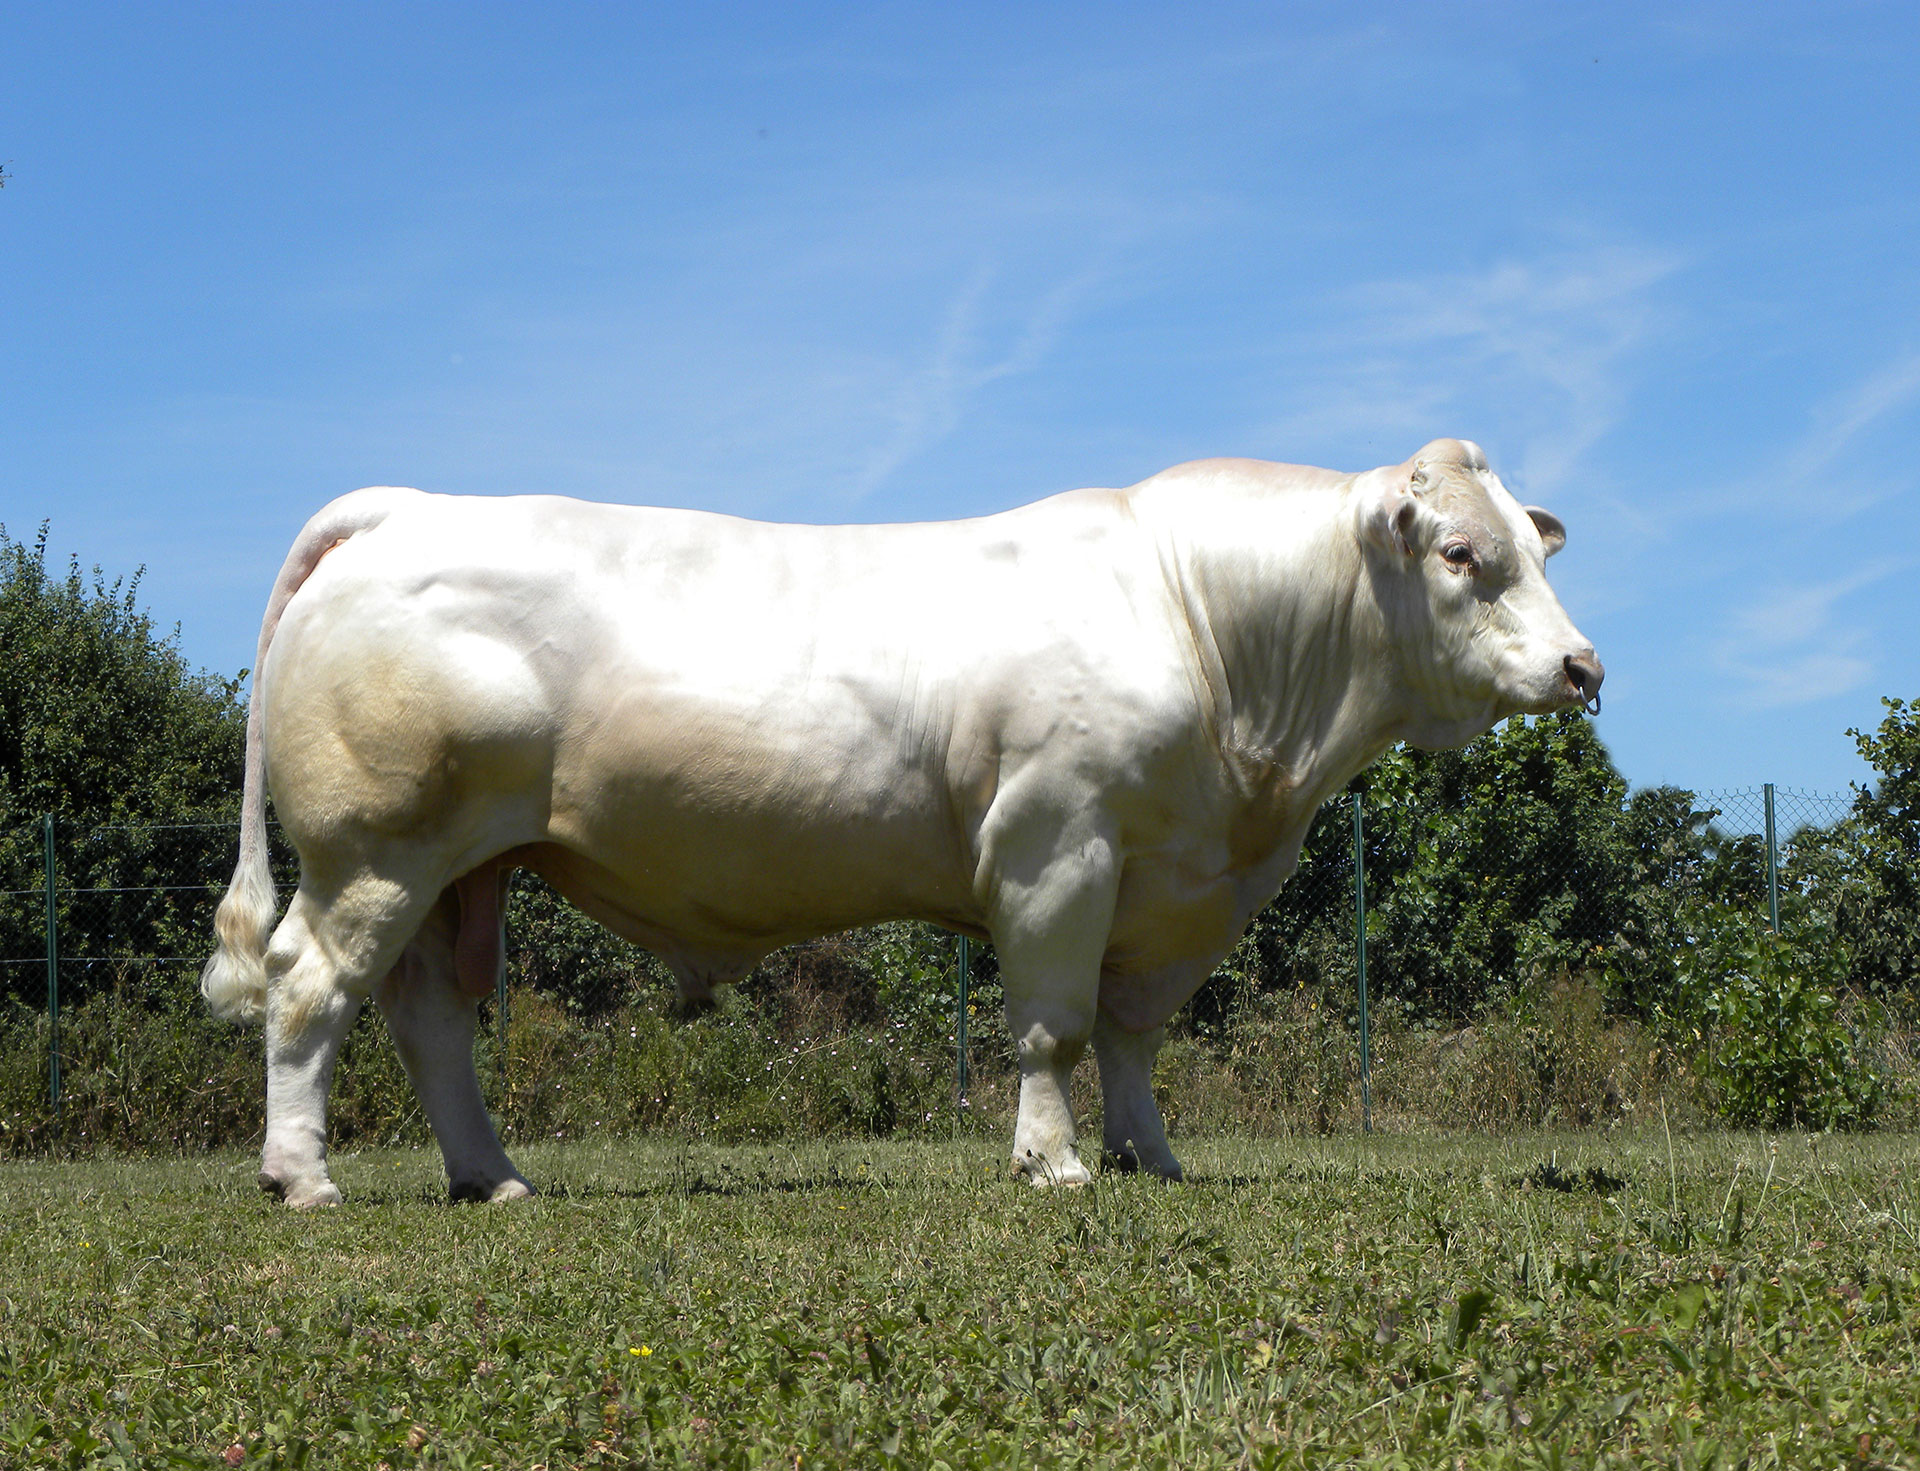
1548 1175
730 1185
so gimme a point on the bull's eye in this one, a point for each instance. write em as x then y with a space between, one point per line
1459 555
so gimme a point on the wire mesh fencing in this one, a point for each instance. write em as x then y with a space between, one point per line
1436 904
23 899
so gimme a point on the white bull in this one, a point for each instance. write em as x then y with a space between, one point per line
1093 730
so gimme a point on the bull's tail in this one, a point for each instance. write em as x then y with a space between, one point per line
234 981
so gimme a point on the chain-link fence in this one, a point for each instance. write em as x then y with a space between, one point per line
1428 903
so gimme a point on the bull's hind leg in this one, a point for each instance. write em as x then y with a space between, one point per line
433 1020
320 966
1133 1137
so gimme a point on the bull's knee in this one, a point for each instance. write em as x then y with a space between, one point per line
1051 934
1055 1043
308 1016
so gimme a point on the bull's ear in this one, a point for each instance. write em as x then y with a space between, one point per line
1387 510
1552 531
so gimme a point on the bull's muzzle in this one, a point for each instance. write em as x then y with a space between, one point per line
1584 673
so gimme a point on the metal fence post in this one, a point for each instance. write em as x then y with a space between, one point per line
1360 957
53 974
1773 868
960 1017
500 1023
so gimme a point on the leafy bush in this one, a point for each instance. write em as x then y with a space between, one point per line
1778 1046
1287 1062
1497 870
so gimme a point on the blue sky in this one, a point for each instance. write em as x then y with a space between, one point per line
900 262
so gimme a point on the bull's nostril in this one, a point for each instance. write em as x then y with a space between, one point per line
1584 673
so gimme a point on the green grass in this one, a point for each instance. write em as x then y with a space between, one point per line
1424 1302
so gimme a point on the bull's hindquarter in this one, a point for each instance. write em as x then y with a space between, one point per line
1093 730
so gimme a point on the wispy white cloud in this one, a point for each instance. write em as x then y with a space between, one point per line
929 403
1801 679
1789 614
1840 422
1819 473
1793 646
1794 502
1537 350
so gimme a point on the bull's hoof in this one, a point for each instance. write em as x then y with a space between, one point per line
511 1188
1126 1162
300 1196
1044 1174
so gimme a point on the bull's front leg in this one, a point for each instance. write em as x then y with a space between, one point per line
1133 1136
1050 930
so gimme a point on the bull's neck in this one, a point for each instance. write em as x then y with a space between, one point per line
1302 682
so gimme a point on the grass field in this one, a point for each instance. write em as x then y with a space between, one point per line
1537 1301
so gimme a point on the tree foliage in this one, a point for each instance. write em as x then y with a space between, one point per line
1863 876
1496 864
107 728
1497 873
1517 859
102 720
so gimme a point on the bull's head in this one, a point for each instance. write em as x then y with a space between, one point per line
1458 568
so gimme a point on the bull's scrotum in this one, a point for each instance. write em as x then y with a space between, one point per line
1093 730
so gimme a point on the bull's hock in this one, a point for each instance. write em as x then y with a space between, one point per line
1093 729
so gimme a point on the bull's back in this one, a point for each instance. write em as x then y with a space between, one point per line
745 722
